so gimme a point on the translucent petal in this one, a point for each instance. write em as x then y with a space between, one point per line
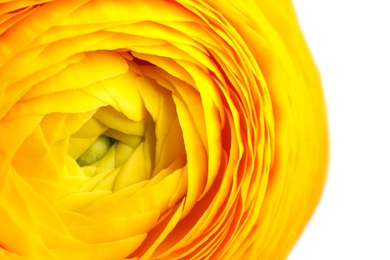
134 170
95 66
5 254
101 12
85 137
68 101
118 121
116 229
13 132
50 190
21 35
123 152
110 250
131 201
15 91
167 129
158 235
196 157
107 163
102 181
123 90
78 201
25 216
38 158
131 140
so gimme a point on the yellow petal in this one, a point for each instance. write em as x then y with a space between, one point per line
160 234
80 200
21 35
37 158
117 249
134 170
25 216
21 87
95 66
167 128
121 93
118 121
24 126
57 103
85 137
125 202
115 229
123 152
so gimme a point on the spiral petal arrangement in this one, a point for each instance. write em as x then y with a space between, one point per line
158 129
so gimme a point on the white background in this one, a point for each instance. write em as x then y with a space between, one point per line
350 41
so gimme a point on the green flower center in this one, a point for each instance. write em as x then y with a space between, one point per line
96 152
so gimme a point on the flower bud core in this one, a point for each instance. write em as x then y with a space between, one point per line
96 152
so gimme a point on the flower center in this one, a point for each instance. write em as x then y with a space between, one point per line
96 152
133 139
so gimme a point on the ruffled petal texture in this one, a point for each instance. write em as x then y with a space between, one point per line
157 130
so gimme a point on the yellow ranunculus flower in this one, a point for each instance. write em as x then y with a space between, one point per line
157 129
